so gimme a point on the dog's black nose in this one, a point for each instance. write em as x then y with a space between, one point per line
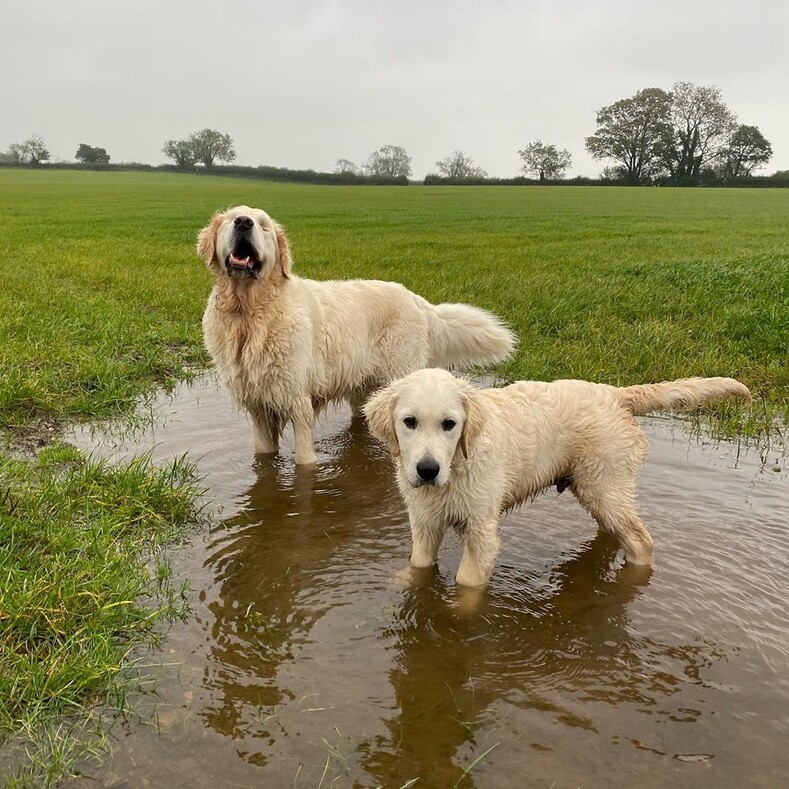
244 222
428 469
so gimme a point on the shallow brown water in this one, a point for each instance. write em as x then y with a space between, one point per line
314 657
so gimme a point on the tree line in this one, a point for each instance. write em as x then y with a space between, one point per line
687 135
681 135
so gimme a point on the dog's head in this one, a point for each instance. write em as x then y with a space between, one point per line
244 242
429 419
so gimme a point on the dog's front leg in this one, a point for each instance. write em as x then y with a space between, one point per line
303 419
265 429
425 541
480 548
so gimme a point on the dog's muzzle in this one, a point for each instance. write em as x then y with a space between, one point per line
243 261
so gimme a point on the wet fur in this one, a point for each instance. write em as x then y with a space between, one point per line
509 444
286 346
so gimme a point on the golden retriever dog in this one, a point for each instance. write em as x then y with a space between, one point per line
285 347
464 455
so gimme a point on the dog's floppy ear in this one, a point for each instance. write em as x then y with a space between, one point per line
283 255
472 424
206 239
379 410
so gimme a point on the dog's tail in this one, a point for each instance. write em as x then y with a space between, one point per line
464 336
686 393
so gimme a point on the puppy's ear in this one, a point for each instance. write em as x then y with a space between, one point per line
206 239
283 255
472 424
379 410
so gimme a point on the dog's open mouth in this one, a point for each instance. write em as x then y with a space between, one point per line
243 261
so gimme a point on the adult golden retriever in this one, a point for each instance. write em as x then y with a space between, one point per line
286 346
464 455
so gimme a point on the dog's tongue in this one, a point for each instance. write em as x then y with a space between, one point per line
237 262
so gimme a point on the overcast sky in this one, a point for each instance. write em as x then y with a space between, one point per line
301 84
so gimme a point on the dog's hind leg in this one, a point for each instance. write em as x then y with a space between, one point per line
615 510
303 418
480 548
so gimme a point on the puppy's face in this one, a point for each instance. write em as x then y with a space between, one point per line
424 418
244 242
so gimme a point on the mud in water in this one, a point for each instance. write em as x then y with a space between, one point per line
315 657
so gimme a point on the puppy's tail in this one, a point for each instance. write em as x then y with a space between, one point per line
686 393
464 336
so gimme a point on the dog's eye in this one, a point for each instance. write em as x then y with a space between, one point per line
410 422
448 424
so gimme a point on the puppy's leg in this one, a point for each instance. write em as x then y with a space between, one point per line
426 539
266 430
615 510
481 546
606 484
303 418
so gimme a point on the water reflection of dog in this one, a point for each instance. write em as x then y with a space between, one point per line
279 565
540 645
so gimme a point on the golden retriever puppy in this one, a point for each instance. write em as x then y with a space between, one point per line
464 455
285 347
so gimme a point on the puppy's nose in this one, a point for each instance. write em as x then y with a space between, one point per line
244 222
428 469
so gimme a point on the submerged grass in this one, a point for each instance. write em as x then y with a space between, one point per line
101 301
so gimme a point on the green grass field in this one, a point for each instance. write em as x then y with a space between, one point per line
101 301
103 294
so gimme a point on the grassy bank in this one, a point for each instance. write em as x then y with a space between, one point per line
101 302
82 582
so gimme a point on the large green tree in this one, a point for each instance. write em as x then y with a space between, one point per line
209 145
87 154
547 162
746 150
206 146
636 133
180 151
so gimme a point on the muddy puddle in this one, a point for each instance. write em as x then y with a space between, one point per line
314 657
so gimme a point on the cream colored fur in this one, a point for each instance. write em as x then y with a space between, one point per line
286 346
491 449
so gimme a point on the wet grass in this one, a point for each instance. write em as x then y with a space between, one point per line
101 301
82 582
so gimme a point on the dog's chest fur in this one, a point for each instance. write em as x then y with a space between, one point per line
250 344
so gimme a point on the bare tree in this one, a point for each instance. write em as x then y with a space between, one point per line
390 160
15 153
345 167
458 165
701 126
547 162
31 151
